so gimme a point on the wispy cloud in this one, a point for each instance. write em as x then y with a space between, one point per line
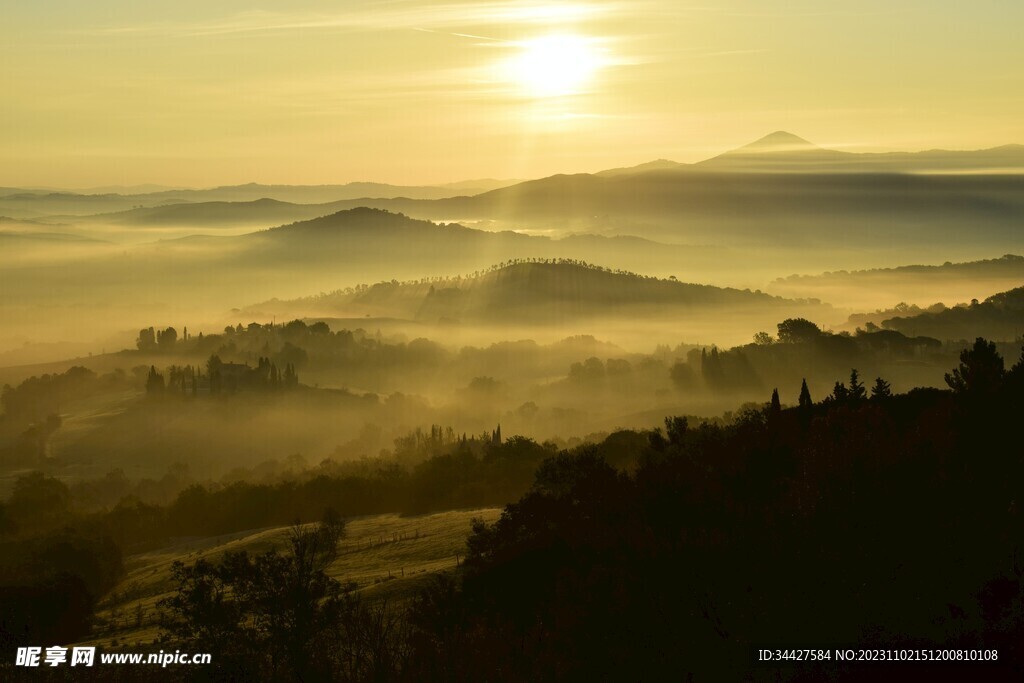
402 15
489 39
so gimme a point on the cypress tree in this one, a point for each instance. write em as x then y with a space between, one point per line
805 396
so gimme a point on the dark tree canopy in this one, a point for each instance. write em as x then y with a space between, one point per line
798 330
270 616
881 390
154 382
840 393
980 371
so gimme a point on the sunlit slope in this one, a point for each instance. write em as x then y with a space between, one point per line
386 556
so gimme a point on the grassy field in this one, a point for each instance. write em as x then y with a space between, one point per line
387 556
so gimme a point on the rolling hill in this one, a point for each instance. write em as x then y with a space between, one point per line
1000 317
539 291
381 555
260 211
921 285
380 244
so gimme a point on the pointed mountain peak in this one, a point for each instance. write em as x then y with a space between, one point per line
779 141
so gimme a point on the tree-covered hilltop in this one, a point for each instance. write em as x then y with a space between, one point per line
538 289
1006 267
999 317
802 349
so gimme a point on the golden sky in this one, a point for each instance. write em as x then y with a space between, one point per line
200 93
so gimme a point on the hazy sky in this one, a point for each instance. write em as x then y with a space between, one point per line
200 93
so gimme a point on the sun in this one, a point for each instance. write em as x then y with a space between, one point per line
554 65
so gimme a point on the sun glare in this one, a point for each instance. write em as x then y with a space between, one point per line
553 66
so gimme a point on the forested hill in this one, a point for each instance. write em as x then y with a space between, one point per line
364 221
539 289
1009 266
1000 317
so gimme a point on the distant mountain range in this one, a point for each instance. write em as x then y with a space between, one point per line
780 191
779 152
782 152
32 203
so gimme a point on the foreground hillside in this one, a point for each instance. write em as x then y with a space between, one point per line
381 556
705 540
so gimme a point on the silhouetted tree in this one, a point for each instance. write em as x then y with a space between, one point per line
146 340
290 379
167 338
154 382
39 502
857 391
881 390
980 372
711 369
213 369
805 401
1015 376
270 616
798 330
840 393
675 429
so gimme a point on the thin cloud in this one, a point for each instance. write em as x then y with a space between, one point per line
399 16
460 35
